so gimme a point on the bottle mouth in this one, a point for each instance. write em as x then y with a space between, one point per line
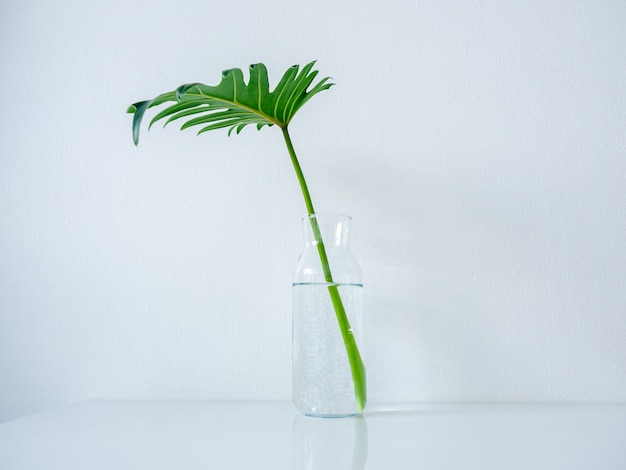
327 215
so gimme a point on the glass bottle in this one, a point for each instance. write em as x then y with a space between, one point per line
322 379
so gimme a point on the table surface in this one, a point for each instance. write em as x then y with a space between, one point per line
271 435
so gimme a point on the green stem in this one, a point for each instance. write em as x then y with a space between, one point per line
354 356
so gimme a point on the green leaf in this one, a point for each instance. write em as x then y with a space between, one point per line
233 103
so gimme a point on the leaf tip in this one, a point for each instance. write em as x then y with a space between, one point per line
181 90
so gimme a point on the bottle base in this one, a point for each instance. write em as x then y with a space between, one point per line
331 416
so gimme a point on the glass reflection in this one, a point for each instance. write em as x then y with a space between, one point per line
329 443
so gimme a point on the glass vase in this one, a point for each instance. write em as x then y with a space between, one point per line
326 274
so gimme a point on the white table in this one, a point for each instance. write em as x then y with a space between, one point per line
157 435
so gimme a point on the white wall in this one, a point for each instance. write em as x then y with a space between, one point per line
479 146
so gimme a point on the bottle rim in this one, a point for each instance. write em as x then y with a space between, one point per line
319 215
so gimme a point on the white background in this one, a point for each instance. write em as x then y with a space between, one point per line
480 147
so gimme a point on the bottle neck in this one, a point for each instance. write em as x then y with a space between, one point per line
334 229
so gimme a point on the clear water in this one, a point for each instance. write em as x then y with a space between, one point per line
322 381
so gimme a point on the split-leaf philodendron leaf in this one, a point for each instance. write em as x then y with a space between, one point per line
234 104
